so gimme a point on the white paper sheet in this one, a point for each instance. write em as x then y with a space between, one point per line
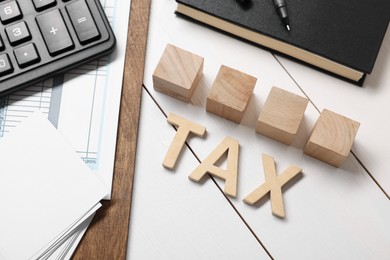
63 238
45 186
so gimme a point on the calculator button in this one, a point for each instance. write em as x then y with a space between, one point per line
43 4
26 55
82 21
5 65
54 32
18 33
2 47
9 12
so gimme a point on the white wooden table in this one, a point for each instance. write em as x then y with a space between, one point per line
331 213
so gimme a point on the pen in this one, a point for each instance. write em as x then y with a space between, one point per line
281 9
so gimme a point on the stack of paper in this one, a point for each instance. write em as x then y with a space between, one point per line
48 193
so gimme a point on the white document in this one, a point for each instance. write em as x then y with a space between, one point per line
66 250
46 189
63 238
83 104
64 241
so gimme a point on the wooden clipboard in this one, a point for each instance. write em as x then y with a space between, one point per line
106 237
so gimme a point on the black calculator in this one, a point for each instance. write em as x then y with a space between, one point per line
41 38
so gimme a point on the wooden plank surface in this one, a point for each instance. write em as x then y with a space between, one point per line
325 204
106 238
172 217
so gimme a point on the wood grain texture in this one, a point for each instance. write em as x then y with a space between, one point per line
332 138
106 237
230 94
178 73
281 115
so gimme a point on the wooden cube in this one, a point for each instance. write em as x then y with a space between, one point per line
332 138
178 73
281 115
230 94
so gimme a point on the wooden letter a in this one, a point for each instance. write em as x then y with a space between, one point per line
231 146
184 128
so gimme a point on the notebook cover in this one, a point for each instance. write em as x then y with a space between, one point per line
349 32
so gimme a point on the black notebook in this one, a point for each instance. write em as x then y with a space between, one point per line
340 37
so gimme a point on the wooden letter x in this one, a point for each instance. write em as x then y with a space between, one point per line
273 184
184 128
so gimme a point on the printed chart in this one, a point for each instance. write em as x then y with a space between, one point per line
82 104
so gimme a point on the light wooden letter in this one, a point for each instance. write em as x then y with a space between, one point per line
184 128
273 184
231 147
